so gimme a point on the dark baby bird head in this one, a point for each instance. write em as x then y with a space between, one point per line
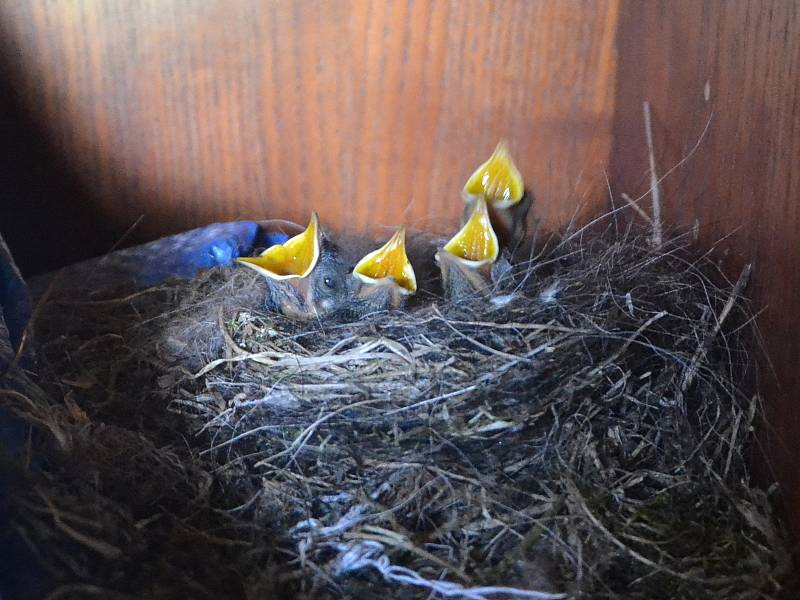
305 275
330 283
310 276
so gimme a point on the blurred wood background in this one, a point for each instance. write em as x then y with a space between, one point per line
372 112
169 114
738 64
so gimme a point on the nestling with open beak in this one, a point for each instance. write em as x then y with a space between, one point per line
305 275
467 260
385 277
499 182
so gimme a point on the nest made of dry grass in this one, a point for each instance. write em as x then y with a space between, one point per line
586 435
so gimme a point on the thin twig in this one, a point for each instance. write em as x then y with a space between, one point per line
638 209
655 189
699 355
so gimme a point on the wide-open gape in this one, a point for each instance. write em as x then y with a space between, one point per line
500 184
466 260
386 275
305 275
498 179
476 242
294 259
389 261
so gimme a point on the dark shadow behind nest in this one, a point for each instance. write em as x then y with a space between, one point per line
584 432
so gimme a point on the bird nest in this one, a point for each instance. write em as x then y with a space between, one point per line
584 436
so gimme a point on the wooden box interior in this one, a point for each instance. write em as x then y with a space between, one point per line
170 114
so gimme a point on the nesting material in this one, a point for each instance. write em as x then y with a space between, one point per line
585 435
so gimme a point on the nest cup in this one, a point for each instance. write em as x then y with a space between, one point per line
584 435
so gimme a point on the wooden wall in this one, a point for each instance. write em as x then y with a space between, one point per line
374 112
736 63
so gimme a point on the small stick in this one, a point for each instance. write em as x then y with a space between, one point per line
122 238
578 497
480 345
70 589
301 439
229 341
106 550
629 341
702 349
639 210
655 189
521 326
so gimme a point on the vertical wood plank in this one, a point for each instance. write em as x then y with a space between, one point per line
737 64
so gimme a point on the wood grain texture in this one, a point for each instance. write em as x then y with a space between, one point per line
738 64
372 112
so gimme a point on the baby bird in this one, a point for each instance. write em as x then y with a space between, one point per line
467 260
500 183
306 276
385 277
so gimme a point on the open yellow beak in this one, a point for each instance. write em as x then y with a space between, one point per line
294 259
498 179
389 261
476 243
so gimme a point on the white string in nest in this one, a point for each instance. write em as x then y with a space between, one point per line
357 556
